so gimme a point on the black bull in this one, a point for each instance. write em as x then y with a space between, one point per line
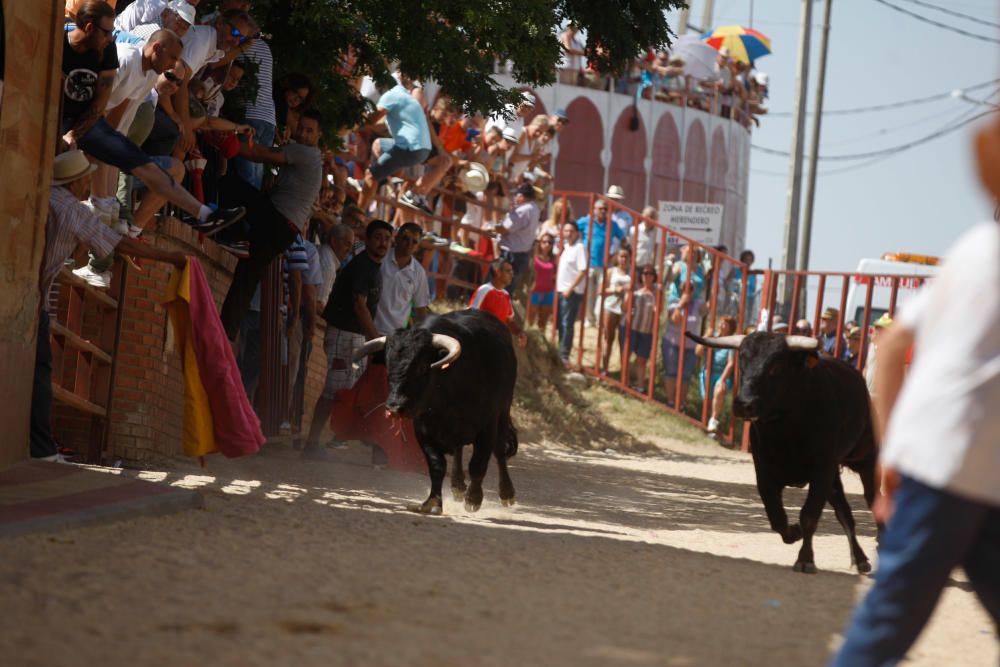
809 416
454 375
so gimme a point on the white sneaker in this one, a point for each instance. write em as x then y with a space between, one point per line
101 280
713 425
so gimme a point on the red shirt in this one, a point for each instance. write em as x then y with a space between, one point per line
494 301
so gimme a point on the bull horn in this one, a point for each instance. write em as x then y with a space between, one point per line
448 343
726 342
371 347
801 343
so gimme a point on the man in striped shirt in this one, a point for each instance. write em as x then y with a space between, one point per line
69 225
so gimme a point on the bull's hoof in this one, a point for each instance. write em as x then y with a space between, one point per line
792 534
473 498
431 506
471 506
805 568
508 502
864 567
458 493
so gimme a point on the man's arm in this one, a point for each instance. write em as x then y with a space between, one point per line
310 308
180 103
364 317
130 246
258 153
101 95
889 373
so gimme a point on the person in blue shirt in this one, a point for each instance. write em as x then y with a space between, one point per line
597 248
409 145
723 369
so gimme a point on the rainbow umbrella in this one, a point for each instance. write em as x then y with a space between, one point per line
744 44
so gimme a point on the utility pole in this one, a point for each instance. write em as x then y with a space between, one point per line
707 15
795 171
817 120
683 17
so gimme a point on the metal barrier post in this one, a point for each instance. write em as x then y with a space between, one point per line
586 288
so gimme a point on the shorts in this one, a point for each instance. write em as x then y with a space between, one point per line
110 146
641 344
341 372
671 356
543 298
393 159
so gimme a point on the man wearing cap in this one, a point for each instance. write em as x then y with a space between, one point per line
177 16
143 12
622 219
828 322
871 359
69 225
518 230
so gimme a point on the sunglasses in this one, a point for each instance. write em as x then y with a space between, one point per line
107 33
235 32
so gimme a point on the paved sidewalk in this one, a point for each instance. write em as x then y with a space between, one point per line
40 496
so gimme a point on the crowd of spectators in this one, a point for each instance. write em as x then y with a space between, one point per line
732 88
369 223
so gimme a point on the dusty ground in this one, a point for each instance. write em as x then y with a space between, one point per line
608 559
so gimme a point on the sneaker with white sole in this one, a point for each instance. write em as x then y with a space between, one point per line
713 425
219 220
94 278
416 202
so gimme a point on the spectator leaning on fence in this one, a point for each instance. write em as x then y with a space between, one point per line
277 217
90 61
404 283
69 225
517 232
643 318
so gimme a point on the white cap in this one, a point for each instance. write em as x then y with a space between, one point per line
528 99
183 9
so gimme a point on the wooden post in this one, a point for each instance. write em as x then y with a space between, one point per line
28 130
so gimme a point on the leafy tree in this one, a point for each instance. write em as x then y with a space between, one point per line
453 42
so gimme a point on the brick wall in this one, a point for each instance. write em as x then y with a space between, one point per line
148 408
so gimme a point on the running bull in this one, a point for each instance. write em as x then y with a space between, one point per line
454 375
809 416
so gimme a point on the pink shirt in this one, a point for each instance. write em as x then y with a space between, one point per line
545 275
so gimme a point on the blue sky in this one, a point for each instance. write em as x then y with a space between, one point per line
919 200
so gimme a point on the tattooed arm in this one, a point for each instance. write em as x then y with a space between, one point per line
86 121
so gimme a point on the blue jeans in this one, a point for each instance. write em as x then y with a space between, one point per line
253 172
930 532
568 309
520 262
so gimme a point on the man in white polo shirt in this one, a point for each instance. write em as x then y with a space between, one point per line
404 283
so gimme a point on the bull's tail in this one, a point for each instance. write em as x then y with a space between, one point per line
509 432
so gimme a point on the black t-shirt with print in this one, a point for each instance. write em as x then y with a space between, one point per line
80 74
361 275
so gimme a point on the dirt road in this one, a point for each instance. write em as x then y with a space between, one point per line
607 559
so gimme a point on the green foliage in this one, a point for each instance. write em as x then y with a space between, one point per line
452 42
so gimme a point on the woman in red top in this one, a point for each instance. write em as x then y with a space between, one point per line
544 290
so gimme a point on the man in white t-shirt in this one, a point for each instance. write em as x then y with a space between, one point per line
941 450
570 285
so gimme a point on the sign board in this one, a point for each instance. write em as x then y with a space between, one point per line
698 221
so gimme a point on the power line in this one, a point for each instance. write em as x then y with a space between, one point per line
890 105
943 26
885 151
952 12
